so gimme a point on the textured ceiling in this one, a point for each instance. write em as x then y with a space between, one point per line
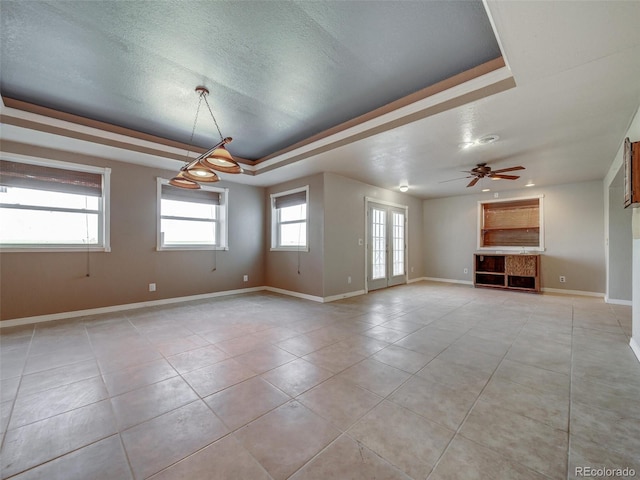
279 72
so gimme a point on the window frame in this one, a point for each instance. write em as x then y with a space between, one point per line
221 220
104 213
511 248
275 222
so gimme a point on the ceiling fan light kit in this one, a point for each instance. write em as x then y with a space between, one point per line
203 169
486 140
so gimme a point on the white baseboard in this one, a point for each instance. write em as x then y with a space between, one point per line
419 279
448 280
582 293
291 293
342 296
118 308
315 298
614 301
635 347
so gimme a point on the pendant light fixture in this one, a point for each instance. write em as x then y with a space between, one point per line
203 169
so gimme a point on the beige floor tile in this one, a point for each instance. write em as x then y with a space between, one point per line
164 440
46 361
520 439
437 402
624 400
9 389
619 432
67 374
240 345
384 334
138 376
124 358
197 358
56 436
295 435
218 376
178 345
375 376
459 355
41 405
339 401
401 358
454 375
334 358
265 358
534 377
586 454
303 344
549 408
402 438
146 402
224 459
5 414
240 404
467 460
103 460
296 377
362 345
347 459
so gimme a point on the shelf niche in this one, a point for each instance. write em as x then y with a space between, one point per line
513 223
513 272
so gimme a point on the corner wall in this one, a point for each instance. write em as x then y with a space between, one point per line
574 222
41 283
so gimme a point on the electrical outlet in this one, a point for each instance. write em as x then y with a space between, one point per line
466 270
152 287
348 279
245 278
563 279
360 242
496 195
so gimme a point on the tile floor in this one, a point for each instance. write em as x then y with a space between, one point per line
414 382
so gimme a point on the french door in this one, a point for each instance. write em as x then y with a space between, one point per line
386 246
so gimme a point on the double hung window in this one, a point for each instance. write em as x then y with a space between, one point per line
51 205
289 222
192 219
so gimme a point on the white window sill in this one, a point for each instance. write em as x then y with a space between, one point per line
290 249
168 248
51 248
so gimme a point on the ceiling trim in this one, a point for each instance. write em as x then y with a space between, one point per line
446 84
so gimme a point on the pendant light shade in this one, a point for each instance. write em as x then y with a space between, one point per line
200 173
201 170
182 182
222 161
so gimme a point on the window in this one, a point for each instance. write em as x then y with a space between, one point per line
51 205
289 224
192 219
515 224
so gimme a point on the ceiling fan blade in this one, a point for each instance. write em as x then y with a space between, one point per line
473 182
506 177
510 169
453 179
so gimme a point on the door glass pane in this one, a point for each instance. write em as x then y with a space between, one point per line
379 254
398 243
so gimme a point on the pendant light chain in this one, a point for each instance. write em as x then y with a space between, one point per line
212 116
193 130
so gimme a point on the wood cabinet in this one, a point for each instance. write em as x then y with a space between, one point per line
508 271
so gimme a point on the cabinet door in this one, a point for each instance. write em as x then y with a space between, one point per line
521 265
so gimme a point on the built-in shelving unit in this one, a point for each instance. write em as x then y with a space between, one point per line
508 271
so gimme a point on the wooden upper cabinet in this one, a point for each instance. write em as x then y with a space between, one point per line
511 223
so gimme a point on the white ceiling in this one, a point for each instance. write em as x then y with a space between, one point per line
576 67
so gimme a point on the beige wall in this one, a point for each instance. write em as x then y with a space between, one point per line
574 240
300 272
45 283
345 225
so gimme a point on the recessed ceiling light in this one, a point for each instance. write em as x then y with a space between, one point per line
486 140
486 189
530 184
404 188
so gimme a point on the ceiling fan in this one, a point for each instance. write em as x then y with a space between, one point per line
482 170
